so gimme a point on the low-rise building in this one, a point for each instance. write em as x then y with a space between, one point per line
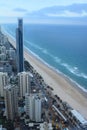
46 126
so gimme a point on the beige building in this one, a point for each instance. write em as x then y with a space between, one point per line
33 107
3 82
11 101
3 49
37 109
24 83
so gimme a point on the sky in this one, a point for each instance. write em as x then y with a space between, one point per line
44 11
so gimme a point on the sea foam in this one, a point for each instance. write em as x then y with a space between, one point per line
57 71
74 70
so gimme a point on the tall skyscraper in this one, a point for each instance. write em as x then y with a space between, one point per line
3 82
19 46
11 101
24 79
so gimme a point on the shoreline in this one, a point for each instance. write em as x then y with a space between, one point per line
67 78
67 90
71 81
74 84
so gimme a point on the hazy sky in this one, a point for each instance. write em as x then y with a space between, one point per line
32 10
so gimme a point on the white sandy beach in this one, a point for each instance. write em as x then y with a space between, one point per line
62 87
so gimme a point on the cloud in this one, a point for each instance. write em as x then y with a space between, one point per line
67 13
71 14
20 10
75 10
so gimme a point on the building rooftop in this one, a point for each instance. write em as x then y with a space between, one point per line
79 117
24 72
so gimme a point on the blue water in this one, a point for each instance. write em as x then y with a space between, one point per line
62 47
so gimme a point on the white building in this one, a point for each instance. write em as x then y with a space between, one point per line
11 101
5 39
2 56
1 69
3 82
24 83
33 107
37 109
79 117
29 102
46 126
8 68
1 128
11 53
3 49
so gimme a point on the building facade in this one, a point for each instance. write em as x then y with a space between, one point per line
33 107
3 49
11 101
24 80
37 109
19 46
30 105
3 82
12 53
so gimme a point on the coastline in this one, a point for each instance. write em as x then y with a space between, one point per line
74 84
63 87
71 81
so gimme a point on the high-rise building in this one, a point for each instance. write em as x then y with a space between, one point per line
3 82
12 53
3 57
11 101
3 49
33 107
19 46
30 106
37 109
24 79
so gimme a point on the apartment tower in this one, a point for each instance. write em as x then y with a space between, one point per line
3 82
11 101
33 107
24 79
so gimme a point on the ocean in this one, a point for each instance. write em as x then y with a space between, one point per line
62 47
